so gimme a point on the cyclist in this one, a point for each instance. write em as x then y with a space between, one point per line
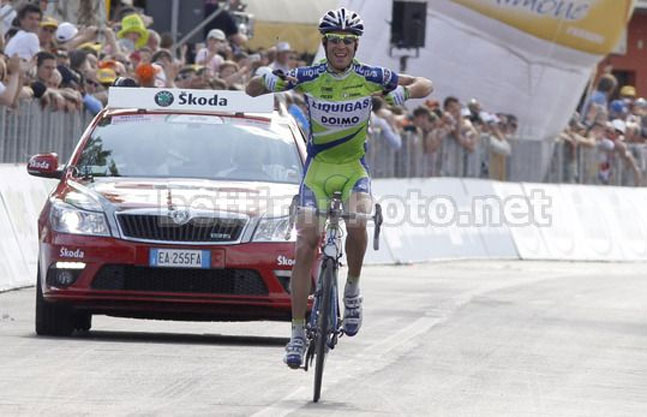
338 94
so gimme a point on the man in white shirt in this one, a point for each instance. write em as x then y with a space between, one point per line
25 42
209 56
7 14
283 57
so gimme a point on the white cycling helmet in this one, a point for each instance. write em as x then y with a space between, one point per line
341 20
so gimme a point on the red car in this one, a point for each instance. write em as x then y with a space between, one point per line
170 212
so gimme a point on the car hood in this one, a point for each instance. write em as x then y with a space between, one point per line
243 197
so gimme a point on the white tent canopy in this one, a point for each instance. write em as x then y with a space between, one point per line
468 54
289 11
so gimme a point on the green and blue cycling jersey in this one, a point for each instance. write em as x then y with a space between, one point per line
339 109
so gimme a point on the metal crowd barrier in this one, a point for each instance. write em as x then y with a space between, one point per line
583 166
29 130
529 160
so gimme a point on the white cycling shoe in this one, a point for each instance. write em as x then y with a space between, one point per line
294 352
352 314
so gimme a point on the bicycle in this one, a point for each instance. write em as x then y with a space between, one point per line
324 327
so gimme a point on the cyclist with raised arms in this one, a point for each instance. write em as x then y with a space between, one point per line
338 94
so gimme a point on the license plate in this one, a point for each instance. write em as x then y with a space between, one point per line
180 258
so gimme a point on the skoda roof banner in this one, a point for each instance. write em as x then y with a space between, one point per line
227 101
531 58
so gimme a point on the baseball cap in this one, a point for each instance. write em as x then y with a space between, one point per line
92 46
49 21
641 102
628 90
619 125
66 31
283 47
106 75
618 106
216 34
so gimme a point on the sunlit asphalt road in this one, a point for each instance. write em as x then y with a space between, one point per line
444 339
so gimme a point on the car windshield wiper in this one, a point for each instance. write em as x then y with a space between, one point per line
87 174
107 175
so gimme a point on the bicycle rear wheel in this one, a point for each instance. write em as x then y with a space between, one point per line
328 272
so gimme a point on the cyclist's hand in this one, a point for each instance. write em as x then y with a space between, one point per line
285 77
271 79
398 96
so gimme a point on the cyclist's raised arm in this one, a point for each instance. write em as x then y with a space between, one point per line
418 87
407 87
271 82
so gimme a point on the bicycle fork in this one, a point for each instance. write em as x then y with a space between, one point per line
335 323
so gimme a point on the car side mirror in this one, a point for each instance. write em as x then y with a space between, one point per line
44 165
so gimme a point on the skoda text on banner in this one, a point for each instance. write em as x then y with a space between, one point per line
225 101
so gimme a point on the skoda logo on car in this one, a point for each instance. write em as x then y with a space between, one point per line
180 217
164 98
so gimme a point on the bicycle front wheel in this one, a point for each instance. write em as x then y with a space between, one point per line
324 325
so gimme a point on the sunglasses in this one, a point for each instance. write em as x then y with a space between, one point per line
337 39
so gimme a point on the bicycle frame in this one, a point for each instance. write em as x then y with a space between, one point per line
325 324
331 250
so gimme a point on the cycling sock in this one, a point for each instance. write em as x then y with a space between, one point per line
299 328
352 285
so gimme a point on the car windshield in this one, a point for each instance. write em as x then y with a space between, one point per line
191 146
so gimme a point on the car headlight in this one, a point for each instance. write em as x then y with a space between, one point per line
82 201
274 230
65 218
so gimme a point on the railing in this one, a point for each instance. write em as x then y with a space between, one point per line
29 130
529 160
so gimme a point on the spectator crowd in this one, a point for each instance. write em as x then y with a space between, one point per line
610 121
68 66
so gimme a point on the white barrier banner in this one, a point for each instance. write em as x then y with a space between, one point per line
593 216
629 220
526 234
562 232
13 269
24 197
428 219
489 219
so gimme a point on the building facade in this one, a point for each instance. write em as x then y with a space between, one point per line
629 62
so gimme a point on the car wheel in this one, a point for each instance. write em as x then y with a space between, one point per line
52 319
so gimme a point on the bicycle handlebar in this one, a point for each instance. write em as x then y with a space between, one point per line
376 218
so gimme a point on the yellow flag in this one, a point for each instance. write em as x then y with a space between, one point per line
592 26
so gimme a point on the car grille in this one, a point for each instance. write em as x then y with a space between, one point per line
162 228
182 280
